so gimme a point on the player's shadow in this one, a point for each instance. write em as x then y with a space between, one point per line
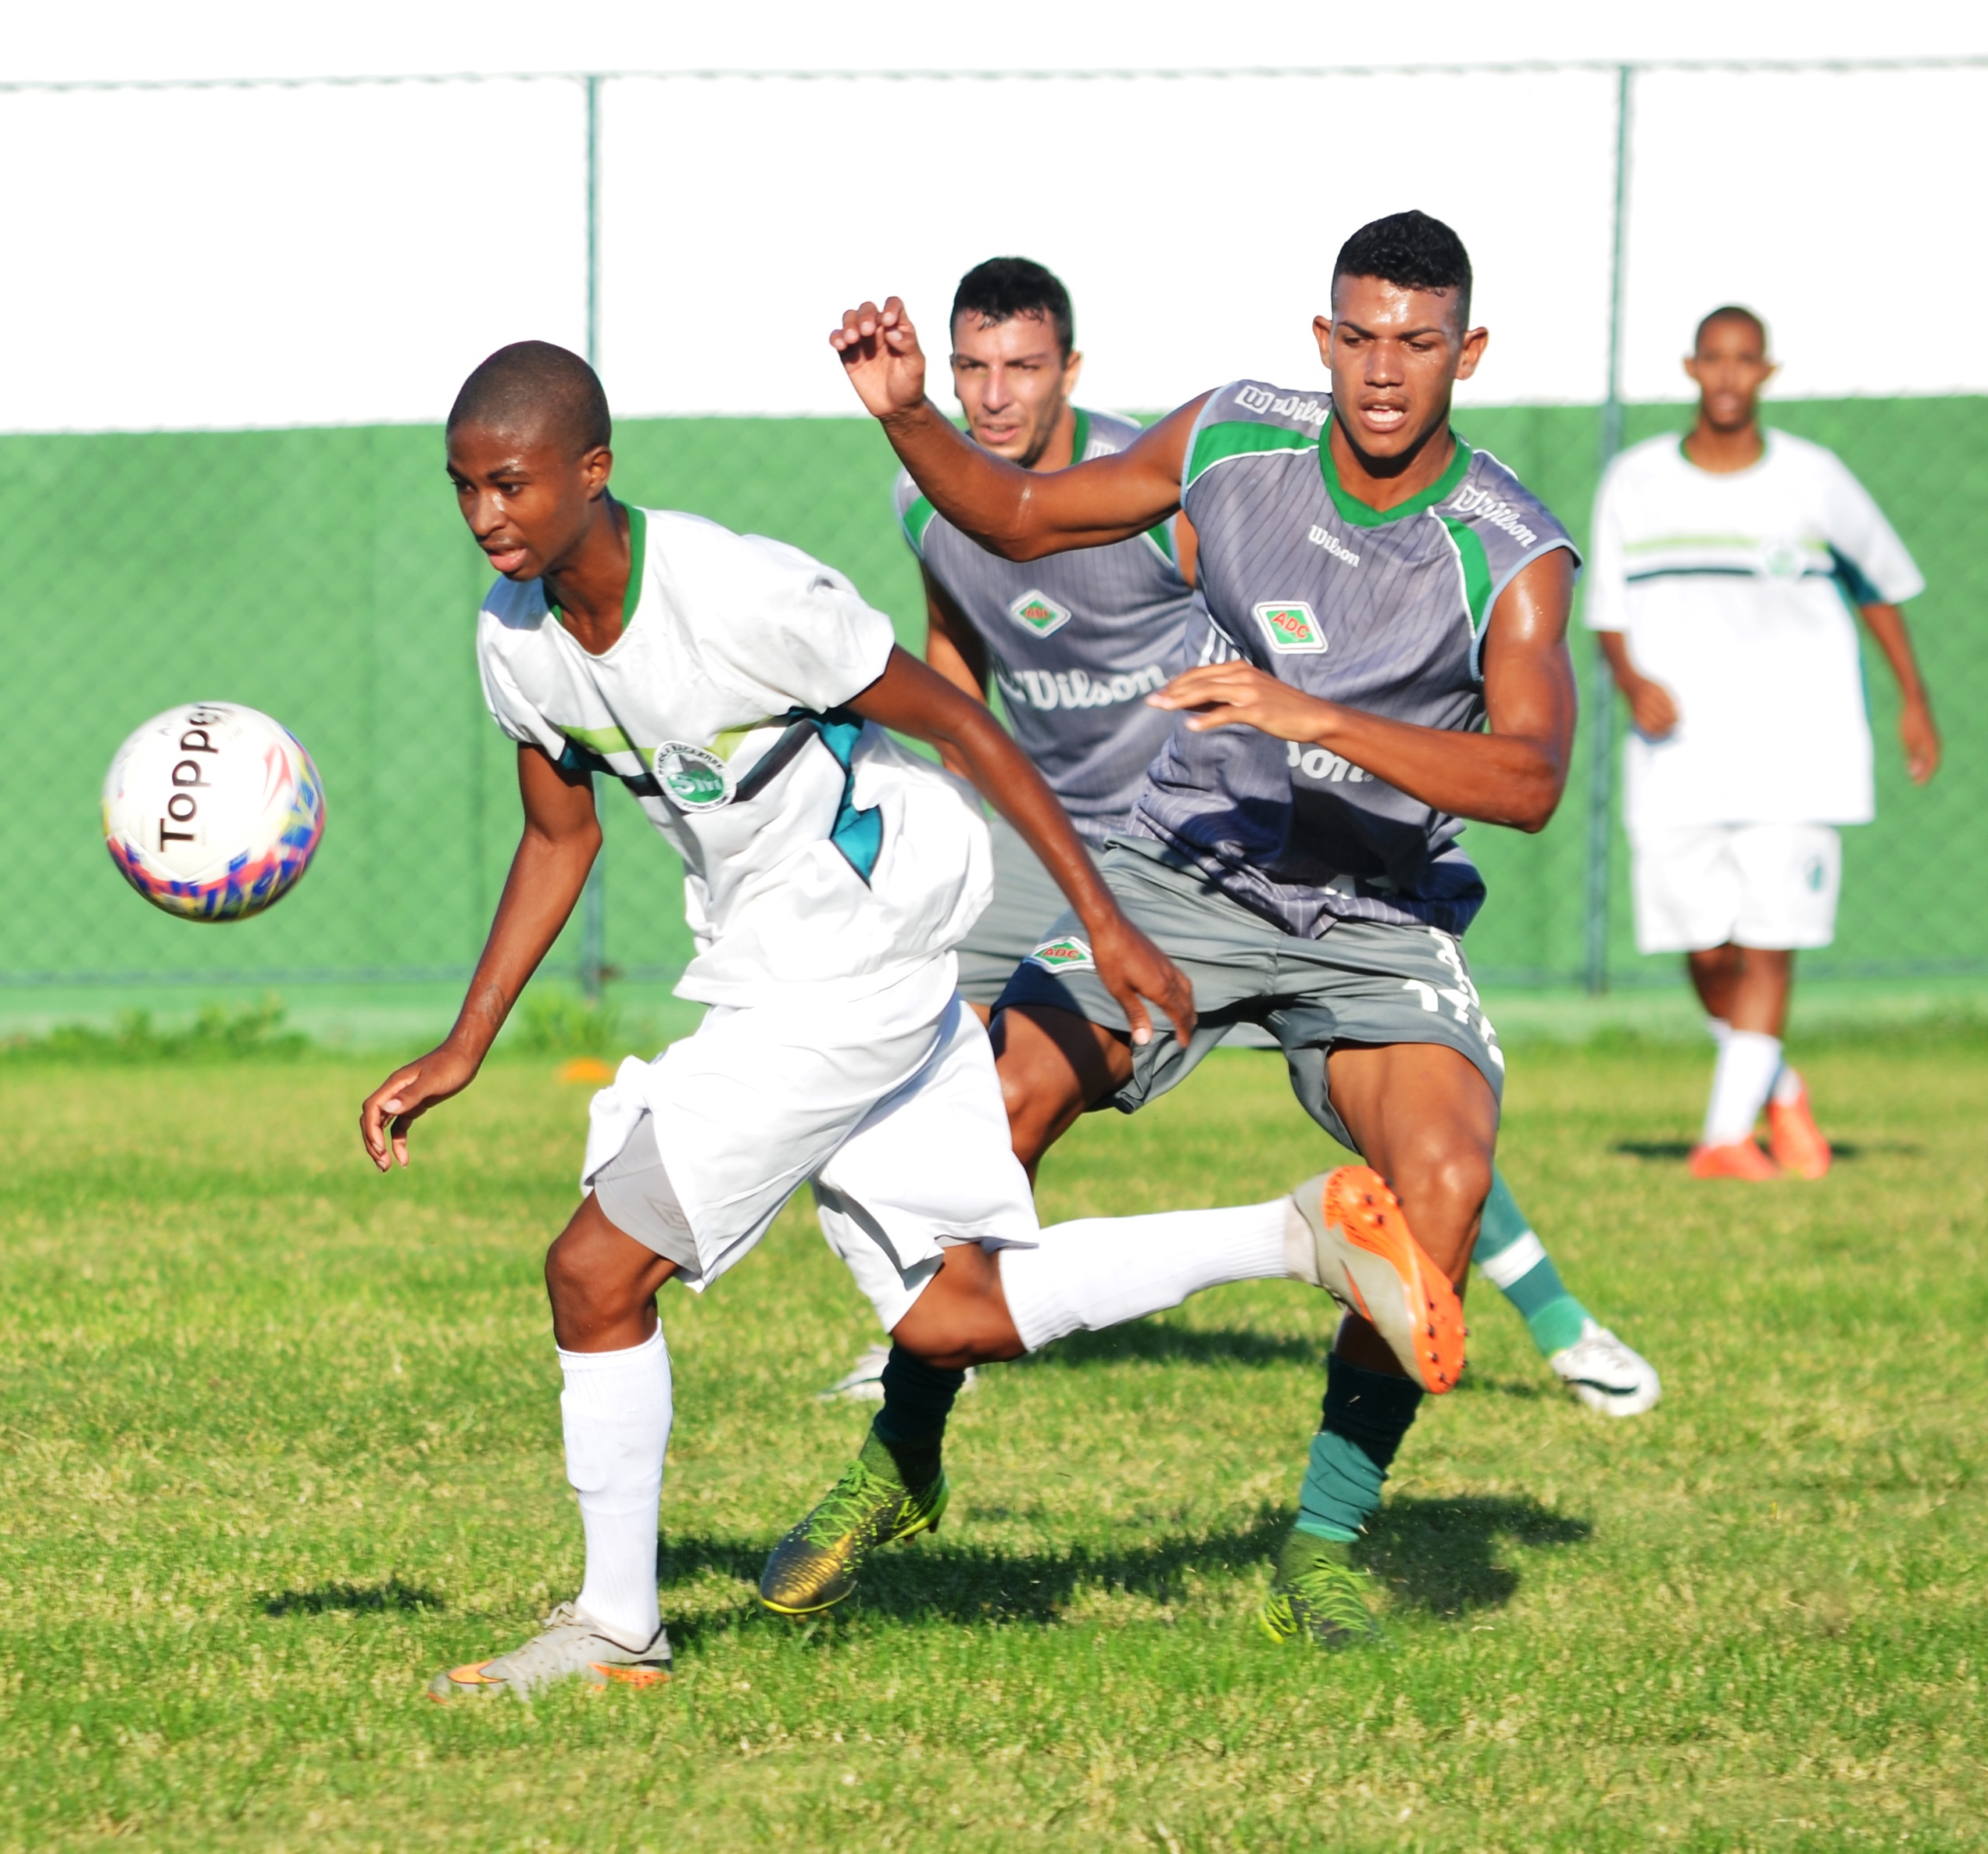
1846 1151
1442 1555
351 1599
1148 1341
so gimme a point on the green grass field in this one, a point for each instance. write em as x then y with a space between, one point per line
281 1439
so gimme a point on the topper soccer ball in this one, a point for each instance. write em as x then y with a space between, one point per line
213 811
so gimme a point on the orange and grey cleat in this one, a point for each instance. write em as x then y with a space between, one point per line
1371 1263
1740 1159
572 1646
1794 1137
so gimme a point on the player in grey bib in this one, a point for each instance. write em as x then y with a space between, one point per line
1384 656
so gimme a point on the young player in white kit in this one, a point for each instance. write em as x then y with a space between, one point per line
740 690
1725 568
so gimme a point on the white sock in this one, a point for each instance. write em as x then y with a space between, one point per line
616 1408
1787 1087
1718 1029
1099 1271
1747 1064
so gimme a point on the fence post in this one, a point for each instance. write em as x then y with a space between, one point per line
1601 697
593 898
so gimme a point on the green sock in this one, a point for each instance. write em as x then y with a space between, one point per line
910 1430
1366 1414
1515 1262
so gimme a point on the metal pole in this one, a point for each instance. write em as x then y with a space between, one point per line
593 898
1601 698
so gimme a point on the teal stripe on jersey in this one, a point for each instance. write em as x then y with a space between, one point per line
1215 444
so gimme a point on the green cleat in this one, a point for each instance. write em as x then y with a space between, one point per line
1318 1595
816 1564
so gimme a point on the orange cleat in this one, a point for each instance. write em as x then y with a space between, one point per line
1369 1261
1795 1140
1741 1159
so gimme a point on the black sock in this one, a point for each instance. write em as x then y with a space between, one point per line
911 1425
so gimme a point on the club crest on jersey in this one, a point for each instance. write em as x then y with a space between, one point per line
1068 954
1035 612
1291 628
695 777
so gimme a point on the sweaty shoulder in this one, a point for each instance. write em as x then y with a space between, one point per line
1251 418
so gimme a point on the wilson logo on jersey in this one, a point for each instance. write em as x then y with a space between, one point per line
1291 628
1333 546
1481 505
696 778
1033 612
1068 955
1260 398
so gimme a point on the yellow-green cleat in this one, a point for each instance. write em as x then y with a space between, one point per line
815 1566
1317 1596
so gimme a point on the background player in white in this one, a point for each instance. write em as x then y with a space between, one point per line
1724 572
1072 641
741 691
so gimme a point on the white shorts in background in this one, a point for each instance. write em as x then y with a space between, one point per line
1772 886
887 1104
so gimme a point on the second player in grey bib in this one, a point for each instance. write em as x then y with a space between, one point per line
1381 609
1077 641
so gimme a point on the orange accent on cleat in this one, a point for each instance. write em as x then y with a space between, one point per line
1795 1140
1359 1203
1741 1159
629 1676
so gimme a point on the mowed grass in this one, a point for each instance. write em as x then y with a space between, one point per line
281 1439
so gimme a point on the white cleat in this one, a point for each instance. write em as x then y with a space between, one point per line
863 1382
572 1646
1605 1375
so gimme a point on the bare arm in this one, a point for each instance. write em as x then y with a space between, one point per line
1019 514
956 650
916 700
1513 775
562 836
1916 731
1652 706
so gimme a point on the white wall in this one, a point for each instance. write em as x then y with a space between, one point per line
346 253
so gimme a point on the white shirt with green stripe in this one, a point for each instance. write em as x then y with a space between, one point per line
1734 591
817 852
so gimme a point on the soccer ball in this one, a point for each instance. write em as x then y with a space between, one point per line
213 811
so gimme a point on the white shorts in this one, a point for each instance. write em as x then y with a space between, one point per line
888 1105
1772 886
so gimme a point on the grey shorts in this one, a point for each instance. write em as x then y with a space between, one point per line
1361 981
634 1192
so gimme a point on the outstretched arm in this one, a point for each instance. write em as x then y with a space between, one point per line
1916 731
915 699
562 835
1512 775
1019 514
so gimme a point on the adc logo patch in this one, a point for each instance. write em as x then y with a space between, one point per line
1037 612
1291 628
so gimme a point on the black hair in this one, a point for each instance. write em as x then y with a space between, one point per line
536 389
1004 288
1412 251
1729 312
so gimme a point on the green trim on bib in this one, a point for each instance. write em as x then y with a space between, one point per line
637 553
1081 436
1163 538
916 519
1363 515
1216 444
1477 569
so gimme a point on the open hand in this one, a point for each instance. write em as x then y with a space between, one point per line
881 356
404 1097
1921 740
1133 970
1238 696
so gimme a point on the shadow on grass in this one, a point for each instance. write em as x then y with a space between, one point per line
352 1599
1147 1342
1437 1556
1845 1152
1441 1556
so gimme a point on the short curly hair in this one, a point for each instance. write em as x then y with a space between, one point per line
1412 251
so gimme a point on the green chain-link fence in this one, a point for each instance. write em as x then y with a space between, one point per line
324 576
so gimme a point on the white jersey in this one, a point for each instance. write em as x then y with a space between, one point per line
1734 591
816 851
